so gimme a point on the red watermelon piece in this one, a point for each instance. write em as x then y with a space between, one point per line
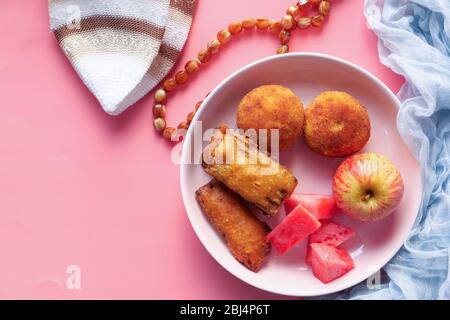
293 229
329 263
329 233
322 207
290 203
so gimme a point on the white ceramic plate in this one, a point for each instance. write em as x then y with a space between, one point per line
309 74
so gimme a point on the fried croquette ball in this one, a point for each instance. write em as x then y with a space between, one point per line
272 107
336 124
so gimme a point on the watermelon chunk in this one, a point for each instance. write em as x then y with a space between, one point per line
322 207
293 229
290 203
329 263
329 233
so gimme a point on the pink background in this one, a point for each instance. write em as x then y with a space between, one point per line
78 187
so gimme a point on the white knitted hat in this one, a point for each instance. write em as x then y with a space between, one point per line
121 49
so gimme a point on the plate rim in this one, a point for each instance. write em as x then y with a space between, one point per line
183 185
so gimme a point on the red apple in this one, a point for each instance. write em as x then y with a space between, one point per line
367 187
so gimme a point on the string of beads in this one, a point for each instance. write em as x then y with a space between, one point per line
296 17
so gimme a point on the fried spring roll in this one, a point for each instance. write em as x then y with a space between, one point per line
230 158
244 234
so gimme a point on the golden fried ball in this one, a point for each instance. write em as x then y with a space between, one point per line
272 107
336 124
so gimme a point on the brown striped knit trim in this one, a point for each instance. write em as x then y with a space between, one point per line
187 7
169 52
79 44
112 22
106 41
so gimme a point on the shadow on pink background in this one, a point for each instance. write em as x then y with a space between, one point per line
79 187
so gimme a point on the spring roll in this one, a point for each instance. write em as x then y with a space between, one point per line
230 158
244 234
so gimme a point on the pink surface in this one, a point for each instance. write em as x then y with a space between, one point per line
79 187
